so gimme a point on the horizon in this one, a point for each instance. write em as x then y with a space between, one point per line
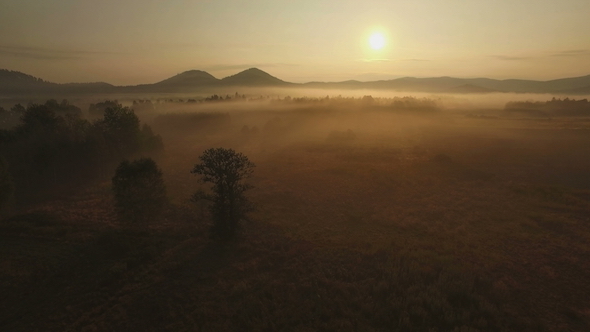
286 81
322 41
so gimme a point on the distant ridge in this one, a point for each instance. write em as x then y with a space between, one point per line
470 88
17 83
13 81
579 91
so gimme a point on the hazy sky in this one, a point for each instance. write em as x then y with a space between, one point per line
144 41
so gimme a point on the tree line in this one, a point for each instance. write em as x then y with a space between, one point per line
555 107
52 146
140 193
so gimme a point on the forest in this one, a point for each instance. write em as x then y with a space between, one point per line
251 212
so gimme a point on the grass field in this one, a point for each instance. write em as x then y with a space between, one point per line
431 222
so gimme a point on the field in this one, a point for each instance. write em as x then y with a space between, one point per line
366 220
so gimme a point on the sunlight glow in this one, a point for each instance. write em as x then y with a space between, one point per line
377 41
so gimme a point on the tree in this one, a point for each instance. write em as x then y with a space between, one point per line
140 194
63 108
97 110
40 119
121 128
225 169
6 187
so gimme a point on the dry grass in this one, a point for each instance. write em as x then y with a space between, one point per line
441 225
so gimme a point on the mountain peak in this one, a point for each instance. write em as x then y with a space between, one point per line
195 72
190 77
254 70
253 76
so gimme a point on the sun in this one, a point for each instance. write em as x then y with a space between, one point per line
377 41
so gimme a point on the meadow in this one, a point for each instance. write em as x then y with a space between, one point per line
368 218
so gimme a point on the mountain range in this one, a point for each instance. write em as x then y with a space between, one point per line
17 83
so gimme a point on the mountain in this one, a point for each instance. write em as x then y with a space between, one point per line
566 84
579 91
189 78
575 85
470 88
432 84
184 82
253 77
97 87
194 80
14 81
530 86
17 83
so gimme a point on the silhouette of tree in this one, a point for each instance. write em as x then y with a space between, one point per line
368 100
51 147
18 109
63 108
6 186
225 169
11 118
140 194
4 118
97 110
121 129
148 140
40 118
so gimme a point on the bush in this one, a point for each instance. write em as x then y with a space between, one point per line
140 194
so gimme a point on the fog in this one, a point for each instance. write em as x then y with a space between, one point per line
446 100
356 198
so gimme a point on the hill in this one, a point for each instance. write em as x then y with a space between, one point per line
470 88
253 77
579 91
13 83
17 83
189 78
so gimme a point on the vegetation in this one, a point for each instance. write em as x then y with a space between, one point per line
6 187
96 111
410 221
53 146
341 137
10 118
553 107
140 194
411 103
225 169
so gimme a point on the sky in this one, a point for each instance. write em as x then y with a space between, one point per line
126 42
